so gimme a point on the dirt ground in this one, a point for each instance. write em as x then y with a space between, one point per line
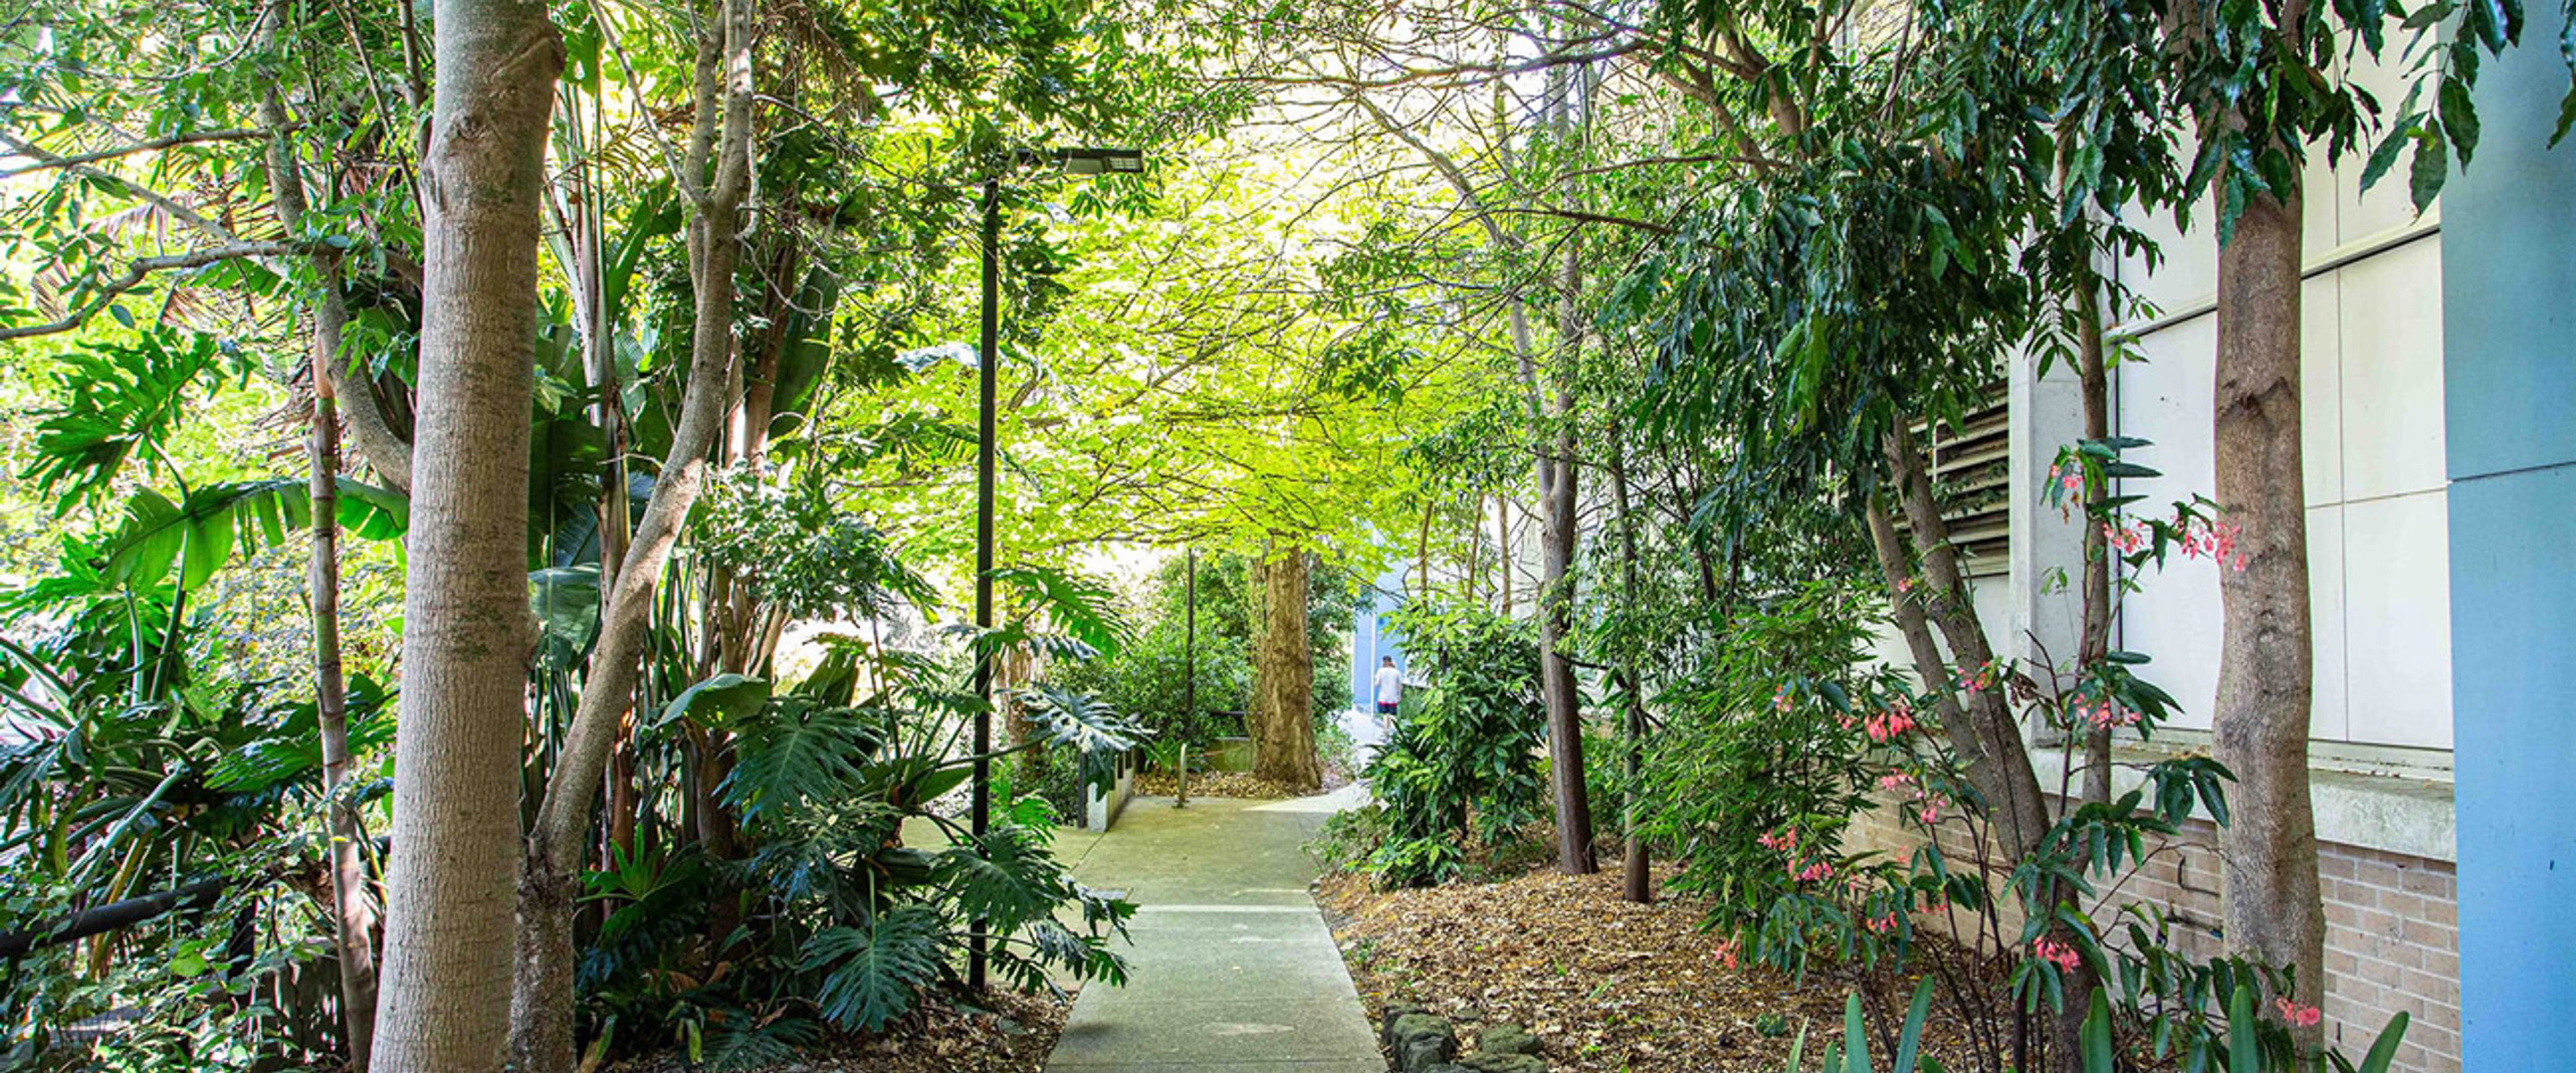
1013 1035
1606 985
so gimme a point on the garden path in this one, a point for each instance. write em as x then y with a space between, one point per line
1233 970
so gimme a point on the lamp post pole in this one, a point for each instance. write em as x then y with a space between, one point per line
988 359
988 355
1189 673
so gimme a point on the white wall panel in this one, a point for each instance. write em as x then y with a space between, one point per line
2321 389
2392 372
2329 708
2397 619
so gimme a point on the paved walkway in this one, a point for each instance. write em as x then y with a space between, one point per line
1232 970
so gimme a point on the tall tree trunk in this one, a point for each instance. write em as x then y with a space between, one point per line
353 911
2269 846
1283 730
445 1003
1557 687
1636 882
2094 383
352 903
541 1013
1503 550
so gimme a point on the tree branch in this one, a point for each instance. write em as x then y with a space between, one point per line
143 267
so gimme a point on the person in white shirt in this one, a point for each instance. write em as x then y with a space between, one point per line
1390 687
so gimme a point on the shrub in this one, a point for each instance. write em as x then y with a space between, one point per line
1461 766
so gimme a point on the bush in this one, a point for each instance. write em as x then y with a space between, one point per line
1761 750
1462 765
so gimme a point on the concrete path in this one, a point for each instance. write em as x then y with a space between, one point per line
1232 970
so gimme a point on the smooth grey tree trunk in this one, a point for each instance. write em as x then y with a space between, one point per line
445 1002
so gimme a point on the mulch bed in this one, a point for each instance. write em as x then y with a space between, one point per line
1604 984
1214 784
1012 1036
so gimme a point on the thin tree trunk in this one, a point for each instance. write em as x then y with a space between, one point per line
542 999
2094 383
1978 719
2269 846
2013 796
1283 731
1422 549
352 902
1635 875
1503 549
446 986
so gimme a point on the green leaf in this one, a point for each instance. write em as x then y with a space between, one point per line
717 702
2459 117
1909 1042
2244 1049
1855 1039
875 974
2432 166
565 601
2095 1036
2384 1049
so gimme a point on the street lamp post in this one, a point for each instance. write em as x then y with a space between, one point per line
1084 162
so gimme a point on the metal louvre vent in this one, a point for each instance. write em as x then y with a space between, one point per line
1972 474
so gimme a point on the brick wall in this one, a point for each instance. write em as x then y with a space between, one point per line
2392 932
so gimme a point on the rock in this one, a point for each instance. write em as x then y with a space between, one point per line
1418 1055
1504 1063
1506 1039
1420 1041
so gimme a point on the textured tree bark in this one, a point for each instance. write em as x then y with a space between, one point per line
446 984
352 901
1283 730
2269 846
541 1009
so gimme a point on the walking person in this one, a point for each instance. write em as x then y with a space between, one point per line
1390 690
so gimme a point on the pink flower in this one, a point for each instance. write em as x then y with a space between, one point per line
1780 701
2055 953
2296 1015
1973 679
1895 781
2105 715
1930 812
1725 953
2070 479
1890 724
1884 922
1817 872
1784 841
